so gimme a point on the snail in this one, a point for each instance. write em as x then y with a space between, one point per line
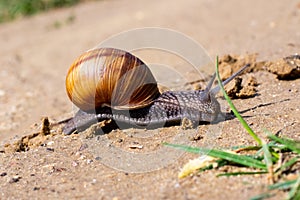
108 83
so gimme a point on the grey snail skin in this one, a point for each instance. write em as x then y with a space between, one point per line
108 83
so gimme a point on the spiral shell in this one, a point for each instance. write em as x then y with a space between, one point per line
110 77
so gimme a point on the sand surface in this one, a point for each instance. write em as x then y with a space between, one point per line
36 53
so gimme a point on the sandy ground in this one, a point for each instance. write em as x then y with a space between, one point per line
36 53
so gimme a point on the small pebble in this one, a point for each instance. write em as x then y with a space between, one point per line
58 169
98 158
89 161
50 143
136 146
14 179
2 93
36 188
119 140
3 174
50 149
75 163
83 147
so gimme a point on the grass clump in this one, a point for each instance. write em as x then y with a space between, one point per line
12 9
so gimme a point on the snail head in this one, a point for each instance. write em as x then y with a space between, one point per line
208 97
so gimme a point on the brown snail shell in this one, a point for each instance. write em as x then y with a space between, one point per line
110 77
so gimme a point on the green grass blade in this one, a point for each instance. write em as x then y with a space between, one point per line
290 144
294 194
288 164
245 148
268 158
282 186
232 157
241 173
236 113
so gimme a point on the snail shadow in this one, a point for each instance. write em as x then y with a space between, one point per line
230 115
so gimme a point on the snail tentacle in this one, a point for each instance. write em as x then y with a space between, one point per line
215 90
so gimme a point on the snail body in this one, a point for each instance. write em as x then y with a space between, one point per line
109 83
